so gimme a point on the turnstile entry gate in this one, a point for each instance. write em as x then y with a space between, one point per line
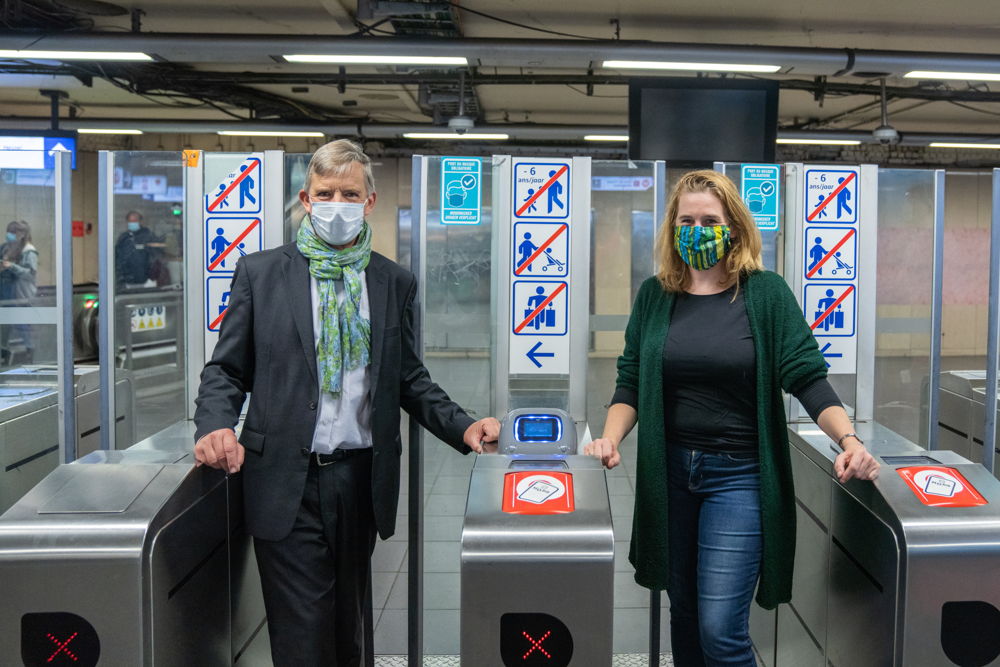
897 572
537 559
131 557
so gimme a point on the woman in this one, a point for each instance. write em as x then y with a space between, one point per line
711 342
18 269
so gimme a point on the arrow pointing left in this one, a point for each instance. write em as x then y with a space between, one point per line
533 352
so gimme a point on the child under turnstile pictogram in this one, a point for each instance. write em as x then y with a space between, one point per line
820 213
835 320
547 317
532 207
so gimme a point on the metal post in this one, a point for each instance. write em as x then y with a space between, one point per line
937 303
654 628
659 203
415 550
579 298
106 295
194 279
64 307
500 286
993 337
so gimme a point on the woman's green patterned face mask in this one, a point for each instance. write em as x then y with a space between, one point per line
701 247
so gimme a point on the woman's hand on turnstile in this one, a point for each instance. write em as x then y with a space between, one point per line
855 461
220 449
604 449
481 433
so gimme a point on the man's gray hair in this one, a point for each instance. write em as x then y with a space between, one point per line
335 158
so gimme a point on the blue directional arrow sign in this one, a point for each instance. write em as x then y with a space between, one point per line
533 353
826 355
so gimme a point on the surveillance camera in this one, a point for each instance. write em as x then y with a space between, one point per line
461 124
886 134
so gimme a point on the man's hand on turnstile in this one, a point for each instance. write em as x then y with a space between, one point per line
855 461
219 449
481 433
604 449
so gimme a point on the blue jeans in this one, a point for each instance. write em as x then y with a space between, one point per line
715 553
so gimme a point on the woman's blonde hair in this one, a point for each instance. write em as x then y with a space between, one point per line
743 257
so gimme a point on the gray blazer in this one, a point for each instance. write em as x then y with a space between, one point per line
266 348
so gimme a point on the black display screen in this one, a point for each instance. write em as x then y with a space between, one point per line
58 638
531 639
693 122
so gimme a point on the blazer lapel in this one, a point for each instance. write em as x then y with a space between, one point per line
299 292
378 298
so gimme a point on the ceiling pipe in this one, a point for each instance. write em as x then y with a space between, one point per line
553 133
549 53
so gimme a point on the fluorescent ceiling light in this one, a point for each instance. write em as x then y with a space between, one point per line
692 67
378 60
266 133
455 137
820 142
961 76
949 144
606 137
73 55
94 130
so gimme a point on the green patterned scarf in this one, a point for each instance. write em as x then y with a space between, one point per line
345 336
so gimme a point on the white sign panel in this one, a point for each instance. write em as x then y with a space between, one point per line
830 262
238 190
540 267
541 249
831 195
541 190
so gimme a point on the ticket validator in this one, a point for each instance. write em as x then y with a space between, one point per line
537 550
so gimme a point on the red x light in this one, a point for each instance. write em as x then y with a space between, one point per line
529 639
58 638
536 644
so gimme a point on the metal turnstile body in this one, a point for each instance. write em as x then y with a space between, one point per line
137 556
880 577
29 439
962 413
537 558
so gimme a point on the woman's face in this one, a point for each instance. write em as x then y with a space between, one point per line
700 209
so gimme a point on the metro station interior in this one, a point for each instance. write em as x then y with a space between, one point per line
864 139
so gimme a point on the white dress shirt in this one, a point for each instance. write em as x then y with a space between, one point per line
343 422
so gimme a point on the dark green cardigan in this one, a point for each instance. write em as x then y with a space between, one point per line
787 358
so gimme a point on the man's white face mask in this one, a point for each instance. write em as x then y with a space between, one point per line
337 223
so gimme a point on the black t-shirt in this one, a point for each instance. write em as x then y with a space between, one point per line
709 374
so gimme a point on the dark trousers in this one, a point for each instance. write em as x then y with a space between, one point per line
314 581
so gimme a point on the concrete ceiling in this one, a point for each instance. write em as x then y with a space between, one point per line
202 82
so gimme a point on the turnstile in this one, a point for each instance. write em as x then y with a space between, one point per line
131 557
29 437
897 572
537 558
961 413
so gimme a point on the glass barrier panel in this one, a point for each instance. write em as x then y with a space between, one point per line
149 309
903 297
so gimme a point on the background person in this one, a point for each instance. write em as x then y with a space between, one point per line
137 254
712 341
18 273
321 333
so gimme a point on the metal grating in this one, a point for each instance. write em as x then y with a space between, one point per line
619 660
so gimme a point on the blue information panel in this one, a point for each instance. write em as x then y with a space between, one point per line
759 185
461 202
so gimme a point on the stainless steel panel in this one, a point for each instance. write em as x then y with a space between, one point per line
796 648
763 633
101 489
562 565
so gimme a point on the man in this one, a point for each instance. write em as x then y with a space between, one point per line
134 252
320 332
